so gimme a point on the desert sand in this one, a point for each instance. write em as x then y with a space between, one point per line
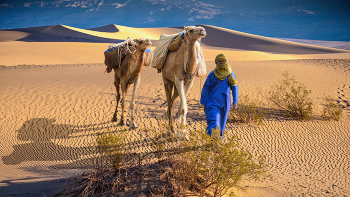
53 106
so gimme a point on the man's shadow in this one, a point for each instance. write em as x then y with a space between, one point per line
37 135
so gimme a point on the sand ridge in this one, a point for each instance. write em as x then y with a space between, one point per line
61 44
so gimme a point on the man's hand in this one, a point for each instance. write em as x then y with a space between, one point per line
234 106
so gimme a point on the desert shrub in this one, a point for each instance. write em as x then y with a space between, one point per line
249 111
111 147
292 97
204 165
207 166
331 110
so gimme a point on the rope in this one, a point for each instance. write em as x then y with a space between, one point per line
127 47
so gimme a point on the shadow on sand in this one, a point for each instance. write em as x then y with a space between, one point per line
37 135
30 187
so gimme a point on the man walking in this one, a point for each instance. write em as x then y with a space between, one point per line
216 96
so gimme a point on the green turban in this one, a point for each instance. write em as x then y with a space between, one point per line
223 70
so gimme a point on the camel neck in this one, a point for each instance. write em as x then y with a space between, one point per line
135 65
192 57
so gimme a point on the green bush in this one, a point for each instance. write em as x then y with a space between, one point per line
204 165
331 110
207 166
292 97
110 146
249 111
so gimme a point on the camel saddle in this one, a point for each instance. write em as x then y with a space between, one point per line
115 55
164 46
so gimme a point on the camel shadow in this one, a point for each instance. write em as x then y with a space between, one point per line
38 135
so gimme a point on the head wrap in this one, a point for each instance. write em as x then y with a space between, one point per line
223 70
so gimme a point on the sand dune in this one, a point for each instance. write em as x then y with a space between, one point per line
238 40
51 44
51 111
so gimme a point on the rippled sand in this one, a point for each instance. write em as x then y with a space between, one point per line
51 113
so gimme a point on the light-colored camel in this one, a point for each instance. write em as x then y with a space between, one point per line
130 73
178 73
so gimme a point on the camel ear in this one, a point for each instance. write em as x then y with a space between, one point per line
136 40
185 28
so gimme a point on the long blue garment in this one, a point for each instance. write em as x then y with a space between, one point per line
216 98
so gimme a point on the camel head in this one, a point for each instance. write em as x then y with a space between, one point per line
194 32
143 44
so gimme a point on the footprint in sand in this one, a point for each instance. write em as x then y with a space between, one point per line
343 99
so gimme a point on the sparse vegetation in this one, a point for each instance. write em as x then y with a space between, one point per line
331 110
206 166
249 111
110 146
292 97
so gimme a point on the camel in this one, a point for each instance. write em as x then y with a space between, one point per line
130 73
178 73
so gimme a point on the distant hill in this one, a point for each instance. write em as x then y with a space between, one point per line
107 28
59 33
216 38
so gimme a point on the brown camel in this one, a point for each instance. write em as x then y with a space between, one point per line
179 70
130 73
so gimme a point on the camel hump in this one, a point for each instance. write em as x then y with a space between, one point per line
160 53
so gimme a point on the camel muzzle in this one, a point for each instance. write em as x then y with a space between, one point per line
149 43
202 33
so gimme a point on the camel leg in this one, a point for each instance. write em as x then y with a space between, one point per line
132 104
188 87
183 106
168 86
116 83
175 96
124 89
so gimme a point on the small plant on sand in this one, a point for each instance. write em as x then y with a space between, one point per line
292 97
207 166
249 111
110 146
331 110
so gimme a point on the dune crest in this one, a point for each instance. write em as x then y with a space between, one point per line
62 44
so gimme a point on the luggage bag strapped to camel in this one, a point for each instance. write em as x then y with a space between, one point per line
112 58
116 53
161 52
170 43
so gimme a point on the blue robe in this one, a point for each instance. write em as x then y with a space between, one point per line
216 98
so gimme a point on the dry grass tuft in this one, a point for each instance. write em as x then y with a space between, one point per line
332 110
292 97
249 111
